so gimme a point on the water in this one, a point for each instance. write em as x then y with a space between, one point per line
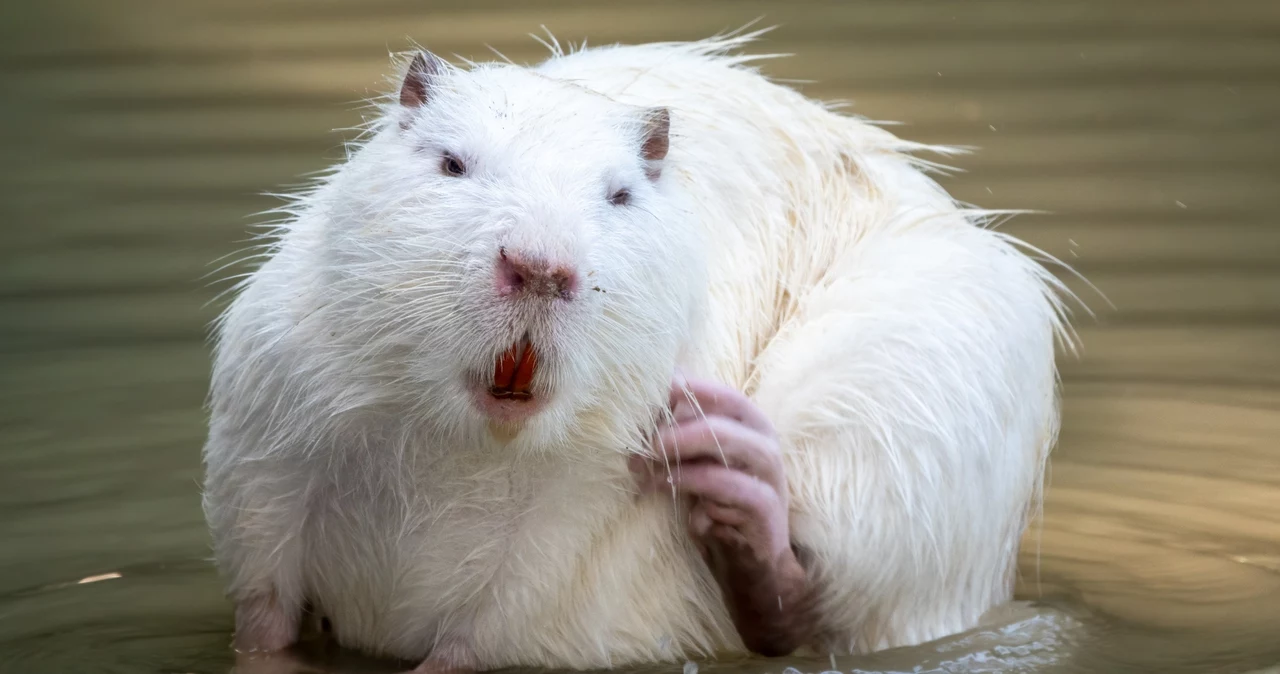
138 134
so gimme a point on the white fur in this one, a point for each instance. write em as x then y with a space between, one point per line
904 351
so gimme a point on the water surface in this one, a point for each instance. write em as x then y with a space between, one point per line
139 134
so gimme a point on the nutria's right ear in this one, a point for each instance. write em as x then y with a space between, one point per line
417 82
656 140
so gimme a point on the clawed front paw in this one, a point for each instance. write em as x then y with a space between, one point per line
264 624
721 451
451 656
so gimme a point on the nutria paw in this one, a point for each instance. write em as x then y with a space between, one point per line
451 656
264 624
720 450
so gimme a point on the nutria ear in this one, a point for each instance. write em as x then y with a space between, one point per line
417 82
657 139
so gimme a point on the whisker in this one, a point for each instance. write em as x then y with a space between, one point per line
697 407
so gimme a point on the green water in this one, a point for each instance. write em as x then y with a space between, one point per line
139 134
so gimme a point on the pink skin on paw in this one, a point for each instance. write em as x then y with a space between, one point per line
721 451
451 656
264 626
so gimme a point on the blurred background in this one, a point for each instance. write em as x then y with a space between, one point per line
139 136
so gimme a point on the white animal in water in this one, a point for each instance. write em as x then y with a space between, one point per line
631 356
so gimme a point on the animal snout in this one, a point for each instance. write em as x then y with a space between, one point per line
521 274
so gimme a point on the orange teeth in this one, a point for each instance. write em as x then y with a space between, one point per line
513 374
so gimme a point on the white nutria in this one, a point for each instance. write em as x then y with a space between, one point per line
668 209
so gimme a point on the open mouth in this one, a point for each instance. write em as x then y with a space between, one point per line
513 373
508 399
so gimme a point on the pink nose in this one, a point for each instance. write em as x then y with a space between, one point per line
530 275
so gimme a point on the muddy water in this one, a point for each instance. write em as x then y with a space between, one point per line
138 135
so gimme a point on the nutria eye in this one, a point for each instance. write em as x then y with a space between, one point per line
452 166
620 198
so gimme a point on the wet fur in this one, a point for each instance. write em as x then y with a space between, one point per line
903 349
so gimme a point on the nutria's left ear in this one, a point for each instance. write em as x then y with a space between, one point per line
417 81
656 140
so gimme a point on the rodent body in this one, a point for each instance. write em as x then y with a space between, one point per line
904 353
